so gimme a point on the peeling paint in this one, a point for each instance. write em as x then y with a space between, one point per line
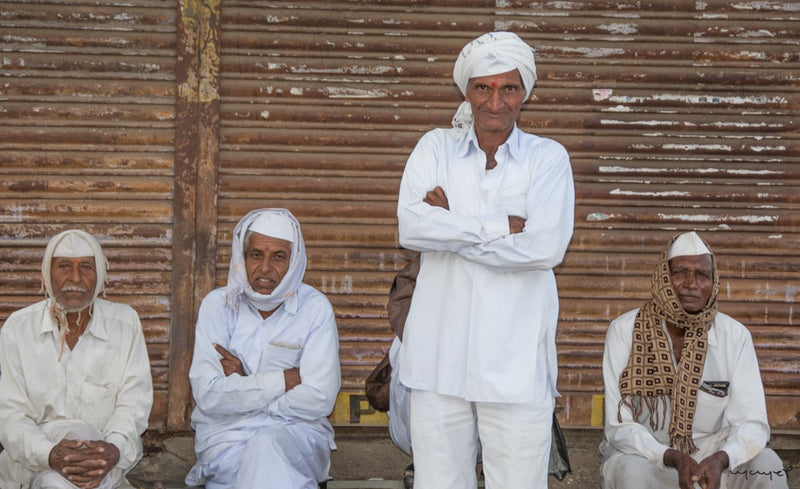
596 52
264 114
599 216
698 147
296 91
712 218
638 123
672 193
700 99
347 92
620 29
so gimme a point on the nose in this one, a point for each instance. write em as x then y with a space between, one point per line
495 100
76 273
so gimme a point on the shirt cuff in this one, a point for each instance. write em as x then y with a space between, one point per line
272 384
118 441
41 452
495 226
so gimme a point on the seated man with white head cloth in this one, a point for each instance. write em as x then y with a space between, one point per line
265 371
491 209
684 401
75 389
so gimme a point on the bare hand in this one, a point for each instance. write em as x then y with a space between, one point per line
516 224
709 470
291 378
84 463
437 198
685 465
230 363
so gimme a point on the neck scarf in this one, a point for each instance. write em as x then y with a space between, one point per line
650 377
82 244
490 54
238 286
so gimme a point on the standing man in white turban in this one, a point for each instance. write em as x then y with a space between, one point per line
75 389
265 371
683 396
491 209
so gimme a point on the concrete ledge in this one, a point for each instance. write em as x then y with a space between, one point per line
367 459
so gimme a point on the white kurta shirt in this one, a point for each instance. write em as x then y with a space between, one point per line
485 308
300 333
736 423
104 381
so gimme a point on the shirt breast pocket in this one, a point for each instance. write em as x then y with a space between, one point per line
98 401
709 412
281 356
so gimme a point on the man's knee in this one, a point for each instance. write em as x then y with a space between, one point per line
764 470
623 471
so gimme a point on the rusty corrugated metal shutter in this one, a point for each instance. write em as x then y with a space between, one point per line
86 140
678 115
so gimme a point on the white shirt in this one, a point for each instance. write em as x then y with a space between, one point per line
736 423
484 312
300 333
104 381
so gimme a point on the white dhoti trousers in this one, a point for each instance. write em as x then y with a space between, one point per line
625 471
281 456
447 433
70 430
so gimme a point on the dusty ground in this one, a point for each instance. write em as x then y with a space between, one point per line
367 459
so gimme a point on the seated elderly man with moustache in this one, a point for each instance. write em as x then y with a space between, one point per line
265 371
683 395
75 389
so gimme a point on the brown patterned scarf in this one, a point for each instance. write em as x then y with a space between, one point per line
650 378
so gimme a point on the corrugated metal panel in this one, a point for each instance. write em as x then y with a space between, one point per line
677 115
86 140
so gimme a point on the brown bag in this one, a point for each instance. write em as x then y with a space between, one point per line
376 386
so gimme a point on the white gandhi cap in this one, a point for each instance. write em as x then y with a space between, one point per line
73 245
687 244
274 225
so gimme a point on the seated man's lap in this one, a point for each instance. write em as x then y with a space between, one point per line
295 448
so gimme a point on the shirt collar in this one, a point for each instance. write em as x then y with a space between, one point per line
95 328
470 141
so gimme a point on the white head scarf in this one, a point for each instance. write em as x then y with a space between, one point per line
491 54
74 243
276 223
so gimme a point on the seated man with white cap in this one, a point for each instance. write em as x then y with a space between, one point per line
490 207
265 372
75 389
684 401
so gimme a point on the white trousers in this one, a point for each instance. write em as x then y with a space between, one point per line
399 404
447 432
625 471
281 456
70 430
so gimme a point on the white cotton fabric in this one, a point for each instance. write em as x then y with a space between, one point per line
514 442
104 381
736 423
74 243
490 54
276 225
687 244
238 287
764 471
232 410
399 404
483 317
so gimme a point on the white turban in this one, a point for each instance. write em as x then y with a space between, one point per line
491 54
277 223
687 244
74 243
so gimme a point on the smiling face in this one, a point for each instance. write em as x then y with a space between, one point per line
693 280
74 281
496 102
266 262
